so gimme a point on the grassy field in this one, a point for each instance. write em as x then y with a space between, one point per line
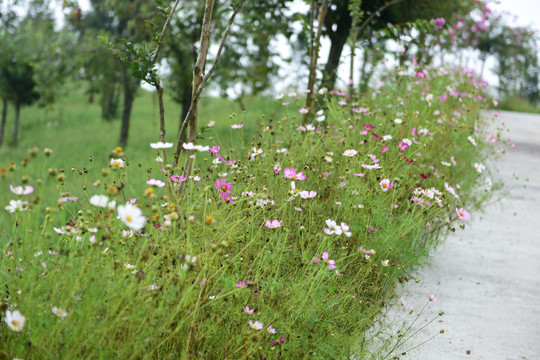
72 127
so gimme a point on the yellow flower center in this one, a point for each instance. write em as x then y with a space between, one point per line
15 323
294 176
128 218
224 187
118 149
116 163
58 312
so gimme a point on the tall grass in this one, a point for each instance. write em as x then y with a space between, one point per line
185 284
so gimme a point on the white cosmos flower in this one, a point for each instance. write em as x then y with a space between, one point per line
471 139
294 191
99 200
155 182
350 152
387 137
117 163
257 325
16 205
398 121
479 167
429 193
59 312
345 229
132 216
405 38
333 228
15 320
190 146
161 145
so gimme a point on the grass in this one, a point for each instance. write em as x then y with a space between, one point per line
519 105
143 295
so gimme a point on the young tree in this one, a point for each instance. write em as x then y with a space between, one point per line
32 62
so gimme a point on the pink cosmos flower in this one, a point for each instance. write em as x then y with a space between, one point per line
67 198
241 284
386 184
438 22
363 132
376 136
291 174
462 214
277 168
248 310
307 194
178 178
221 184
20 190
433 298
414 133
384 148
272 224
367 252
303 111
402 146
420 75
237 126
368 127
213 150
331 264
278 342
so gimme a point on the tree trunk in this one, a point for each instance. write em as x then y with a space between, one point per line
338 40
3 124
314 52
15 133
186 102
129 96
363 83
198 70
109 101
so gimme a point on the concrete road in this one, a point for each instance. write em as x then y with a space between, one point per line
487 277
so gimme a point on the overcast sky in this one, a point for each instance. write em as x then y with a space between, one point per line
527 11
